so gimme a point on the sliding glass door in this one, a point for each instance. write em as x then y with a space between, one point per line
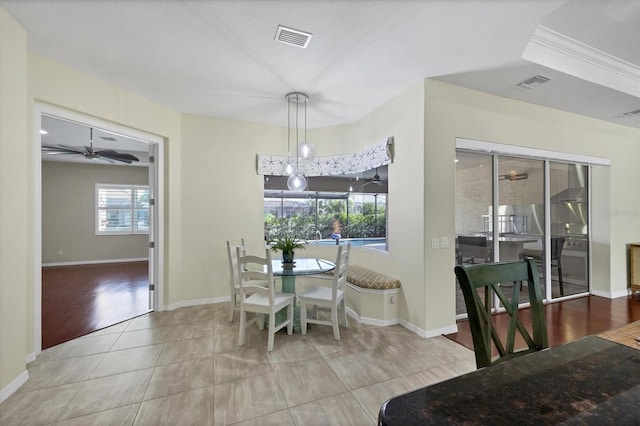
508 207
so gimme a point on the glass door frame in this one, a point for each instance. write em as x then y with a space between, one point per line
496 150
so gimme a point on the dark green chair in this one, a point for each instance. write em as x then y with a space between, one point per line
486 279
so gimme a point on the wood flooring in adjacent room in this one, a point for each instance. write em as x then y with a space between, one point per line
80 299
569 320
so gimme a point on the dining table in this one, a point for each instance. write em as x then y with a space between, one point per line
301 266
592 380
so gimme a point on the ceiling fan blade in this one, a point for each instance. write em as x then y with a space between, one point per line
117 156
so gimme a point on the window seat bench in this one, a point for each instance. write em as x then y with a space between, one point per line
372 297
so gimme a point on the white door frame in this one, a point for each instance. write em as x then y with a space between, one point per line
44 109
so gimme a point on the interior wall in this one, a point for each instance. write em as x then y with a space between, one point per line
225 201
15 240
453 111
68 213
54 84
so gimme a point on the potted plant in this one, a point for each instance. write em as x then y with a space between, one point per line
287 245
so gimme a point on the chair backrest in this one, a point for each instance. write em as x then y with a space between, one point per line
557 244
234 278
486 278
256 275
340 271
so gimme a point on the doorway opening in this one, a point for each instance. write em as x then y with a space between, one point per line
108 276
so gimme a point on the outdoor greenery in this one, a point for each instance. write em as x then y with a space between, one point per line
331 218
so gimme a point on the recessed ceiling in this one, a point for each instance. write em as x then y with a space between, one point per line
221 59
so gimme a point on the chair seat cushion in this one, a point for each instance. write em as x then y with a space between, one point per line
320 293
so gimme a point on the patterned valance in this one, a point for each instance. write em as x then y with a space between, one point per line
379 154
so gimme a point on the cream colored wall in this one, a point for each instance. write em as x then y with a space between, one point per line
68 213
15 243
401 118
453 112
223 194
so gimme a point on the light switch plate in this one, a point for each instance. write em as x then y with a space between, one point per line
444 242
435 243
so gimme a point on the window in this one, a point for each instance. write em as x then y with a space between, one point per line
333 209
122 209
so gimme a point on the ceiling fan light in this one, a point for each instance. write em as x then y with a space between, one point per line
306 151
296 182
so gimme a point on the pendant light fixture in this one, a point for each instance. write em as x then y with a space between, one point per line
289 167
296 181
306 150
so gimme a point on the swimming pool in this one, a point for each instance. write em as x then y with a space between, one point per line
379 243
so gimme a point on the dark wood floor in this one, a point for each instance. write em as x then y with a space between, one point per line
77 300
569 320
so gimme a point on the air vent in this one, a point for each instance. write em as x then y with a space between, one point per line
536 79
293 37
108 138
632 113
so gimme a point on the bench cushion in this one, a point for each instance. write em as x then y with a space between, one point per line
366 278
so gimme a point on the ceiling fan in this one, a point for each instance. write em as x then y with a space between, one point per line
375 180
90 153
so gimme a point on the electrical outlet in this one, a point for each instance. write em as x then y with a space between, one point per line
60 253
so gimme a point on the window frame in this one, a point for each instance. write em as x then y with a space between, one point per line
132 208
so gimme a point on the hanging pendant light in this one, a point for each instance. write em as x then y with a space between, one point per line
306 150
296 181
289 167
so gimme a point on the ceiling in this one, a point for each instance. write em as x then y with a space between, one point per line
220 58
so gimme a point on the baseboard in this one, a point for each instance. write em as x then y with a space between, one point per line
197 302
30 357
371 321
12 387
609 295
95 262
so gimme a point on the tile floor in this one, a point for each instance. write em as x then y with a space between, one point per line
184 367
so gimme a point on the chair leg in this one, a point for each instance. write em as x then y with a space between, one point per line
334 321
260 321
344 313
272 332
243 322
303 318
232 307
290 319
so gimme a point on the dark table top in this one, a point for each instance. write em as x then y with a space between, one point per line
589 381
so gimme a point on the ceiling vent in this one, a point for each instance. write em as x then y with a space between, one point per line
293 37
536 79
632 113
108 138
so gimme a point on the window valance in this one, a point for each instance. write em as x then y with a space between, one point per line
376 155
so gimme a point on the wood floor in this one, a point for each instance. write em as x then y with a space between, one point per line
77 300
569 320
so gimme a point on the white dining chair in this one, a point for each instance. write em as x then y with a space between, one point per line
234 279
258 295
328 298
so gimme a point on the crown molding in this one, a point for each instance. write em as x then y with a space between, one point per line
565 54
